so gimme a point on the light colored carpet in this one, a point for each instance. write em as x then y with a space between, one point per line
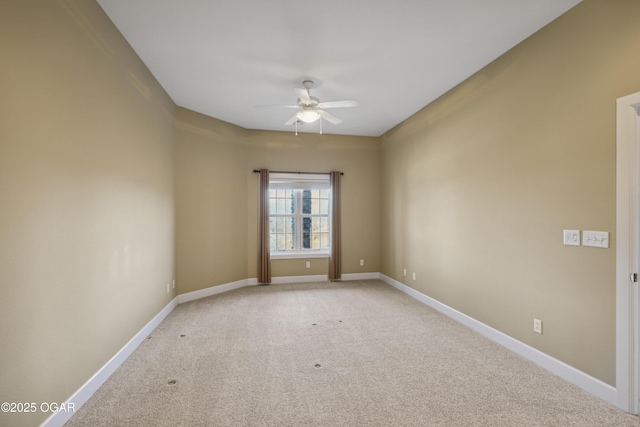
355 353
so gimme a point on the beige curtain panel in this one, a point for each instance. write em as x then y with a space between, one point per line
264 255
335 257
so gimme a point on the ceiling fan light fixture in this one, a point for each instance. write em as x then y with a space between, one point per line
308 116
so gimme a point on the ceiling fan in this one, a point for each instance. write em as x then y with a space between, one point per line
311 109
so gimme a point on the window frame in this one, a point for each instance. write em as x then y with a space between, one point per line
298 184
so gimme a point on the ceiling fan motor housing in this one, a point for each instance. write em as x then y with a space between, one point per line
312 102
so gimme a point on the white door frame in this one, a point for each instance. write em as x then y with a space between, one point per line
627 227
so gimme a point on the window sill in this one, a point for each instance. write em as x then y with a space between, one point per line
297 255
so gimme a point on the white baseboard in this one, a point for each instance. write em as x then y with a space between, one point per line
299 279
293 279
317 278
586 382
83 394
213 290
360 276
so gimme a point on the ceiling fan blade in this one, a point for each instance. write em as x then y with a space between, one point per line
329 117
303 94
292 120
278 106
339 104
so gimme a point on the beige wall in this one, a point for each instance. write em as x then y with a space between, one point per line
478 186
211 202
86 198
216 193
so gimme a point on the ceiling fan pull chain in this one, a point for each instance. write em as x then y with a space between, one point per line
296 126
320 125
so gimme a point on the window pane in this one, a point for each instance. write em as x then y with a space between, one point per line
281 202
306 232
282 233
286 225
315 233
324 207
314 229
291 225
325 240
306 201
288 206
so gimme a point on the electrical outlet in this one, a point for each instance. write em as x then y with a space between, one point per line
167 288
404 272
308 264
361 262
537 326
414 275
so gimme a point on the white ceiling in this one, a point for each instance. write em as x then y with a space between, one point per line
223 57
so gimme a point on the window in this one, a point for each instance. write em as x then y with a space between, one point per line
299 216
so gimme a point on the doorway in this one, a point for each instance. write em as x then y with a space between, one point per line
627 252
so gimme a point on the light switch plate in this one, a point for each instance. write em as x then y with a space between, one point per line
572 237
596 239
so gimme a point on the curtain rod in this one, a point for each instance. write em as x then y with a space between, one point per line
299 173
